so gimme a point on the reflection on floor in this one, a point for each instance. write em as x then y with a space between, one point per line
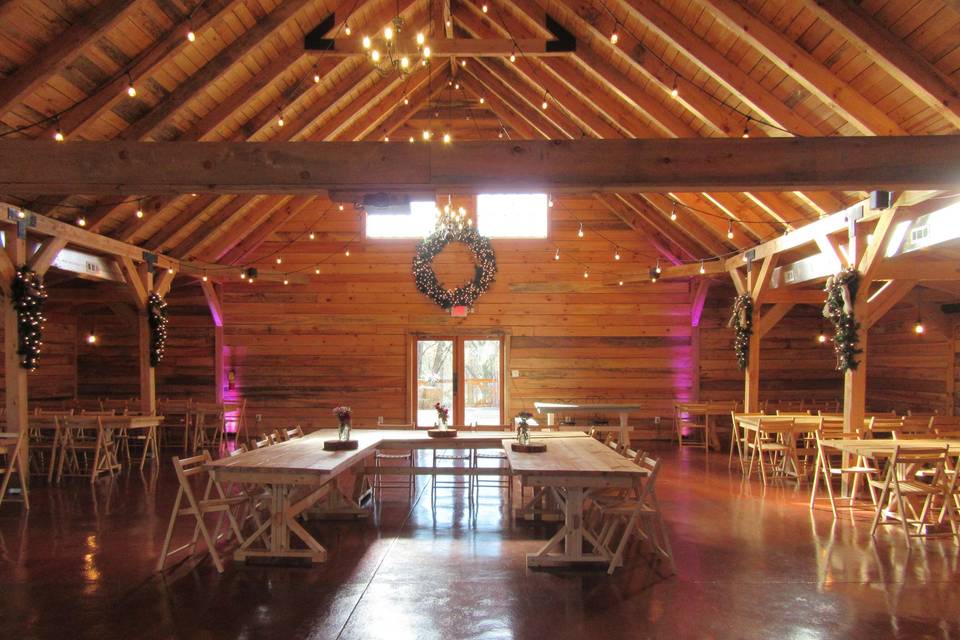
752 564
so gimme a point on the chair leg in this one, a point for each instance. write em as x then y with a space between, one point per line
166 540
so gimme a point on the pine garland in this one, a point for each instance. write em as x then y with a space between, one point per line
841 292
742 322
28 296
157 317
426 279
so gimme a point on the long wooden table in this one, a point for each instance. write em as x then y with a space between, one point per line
300 473
623 411
572 468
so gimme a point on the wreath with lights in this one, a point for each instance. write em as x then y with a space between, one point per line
157 317
841 292
485 267
28 295
742 322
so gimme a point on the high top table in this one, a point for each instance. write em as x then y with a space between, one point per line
300 473
623 411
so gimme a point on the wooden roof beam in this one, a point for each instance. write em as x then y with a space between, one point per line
714 164
518 98
60 51
711 238
789 57
450 48
892 54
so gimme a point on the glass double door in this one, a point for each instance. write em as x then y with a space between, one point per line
463 374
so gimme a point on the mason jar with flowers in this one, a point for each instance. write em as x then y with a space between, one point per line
443 415
343 415
523 428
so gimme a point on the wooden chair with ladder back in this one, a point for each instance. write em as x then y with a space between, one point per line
12 464
830 465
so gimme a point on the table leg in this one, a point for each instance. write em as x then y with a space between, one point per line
281 523
624 431
570 536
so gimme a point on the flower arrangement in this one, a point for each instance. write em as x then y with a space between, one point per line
443 413
343 415
523 429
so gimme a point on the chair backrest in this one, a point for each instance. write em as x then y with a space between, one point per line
107 412
883 426
934 458
946 426
776 423
240 449
267 440
289 434
914 427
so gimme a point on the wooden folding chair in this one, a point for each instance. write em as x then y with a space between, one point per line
831 428
914 428
883 426
209 427
198 508
267 440
689 423
641 516
917 505
773 446
946 427
177 419
738 438
289 434
45 434
11 462
87 447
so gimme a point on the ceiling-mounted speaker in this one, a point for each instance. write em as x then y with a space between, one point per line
881 199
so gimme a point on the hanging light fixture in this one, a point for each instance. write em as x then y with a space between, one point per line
139 212
657 268
556 256
730 230
58 134
131 90
703 270
918 328
746 128
395 58
673 212
616 253
580 231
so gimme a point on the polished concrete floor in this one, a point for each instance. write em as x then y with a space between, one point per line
752 563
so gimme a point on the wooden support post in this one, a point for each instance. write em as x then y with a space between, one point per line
214 296
751 396
16 376
140 279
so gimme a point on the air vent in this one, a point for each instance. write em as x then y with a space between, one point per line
919 233
789 276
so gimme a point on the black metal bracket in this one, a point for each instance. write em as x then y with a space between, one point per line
316 39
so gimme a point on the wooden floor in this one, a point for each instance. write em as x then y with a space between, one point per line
752 564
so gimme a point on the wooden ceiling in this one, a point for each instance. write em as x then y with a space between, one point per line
771 67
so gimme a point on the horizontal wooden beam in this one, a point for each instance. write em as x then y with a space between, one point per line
442 48
304 168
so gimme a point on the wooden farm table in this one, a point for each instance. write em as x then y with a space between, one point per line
573 468
146 424
300 473
623 411
709 411
875 448
801 423
105 453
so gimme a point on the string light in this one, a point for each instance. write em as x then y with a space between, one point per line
615 37
918 328
703 269
279 260
347 253
484 8
91 338
58 134
366 42
139 213
421 39
375 55
316 77
616 254
657 268
131 90
317 270
556 256
347 30
312 236
427 134
675 91
426 53
386 138
81 221
205 278
673 213
621 283
730 230
285 281
482 100
411 139
822 338
549 201
280 121
191 36
340 207
446 138
513 55
406 101
654 276
586 272
545 104
388 33
170 270
580 231
746 128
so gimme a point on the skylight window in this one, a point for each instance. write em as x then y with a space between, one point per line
416 223
512 215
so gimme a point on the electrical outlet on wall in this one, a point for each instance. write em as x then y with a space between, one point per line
515 373
656 419
259 417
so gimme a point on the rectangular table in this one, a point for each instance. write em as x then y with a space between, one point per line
623 411
300 473
572 468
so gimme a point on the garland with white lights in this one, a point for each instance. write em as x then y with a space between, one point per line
157 317
425 277
742 322
841 292
28 295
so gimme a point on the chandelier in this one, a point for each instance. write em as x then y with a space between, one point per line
452 220
391 56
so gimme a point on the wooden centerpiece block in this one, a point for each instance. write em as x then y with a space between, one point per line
340 445
442 433
531 447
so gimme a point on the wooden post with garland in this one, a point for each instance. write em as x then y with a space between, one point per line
16 376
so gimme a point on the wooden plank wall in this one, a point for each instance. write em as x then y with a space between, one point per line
909 371
55 379
297 351
793 365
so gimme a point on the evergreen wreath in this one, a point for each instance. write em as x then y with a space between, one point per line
742 322
485 269
28 296
841 292
157 317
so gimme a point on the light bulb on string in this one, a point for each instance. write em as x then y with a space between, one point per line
191 36
347 30
170 270
286 281
586 273
91 338
205 278
657 268
312 235
411 140
366 42
386 138
446 138
513 55
484 8
675 91
404 62
421 39
746 128
549 201
918 328
482 100
58 134
388 33
82 221
556 256
580 231
279 260
822 338
427 134
317 270
616 253
139 212
406 101
703 269
545 104
614 37
280 120
673 213
426 53
375 55
340 207
316 78
131 90
347 252
730 230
